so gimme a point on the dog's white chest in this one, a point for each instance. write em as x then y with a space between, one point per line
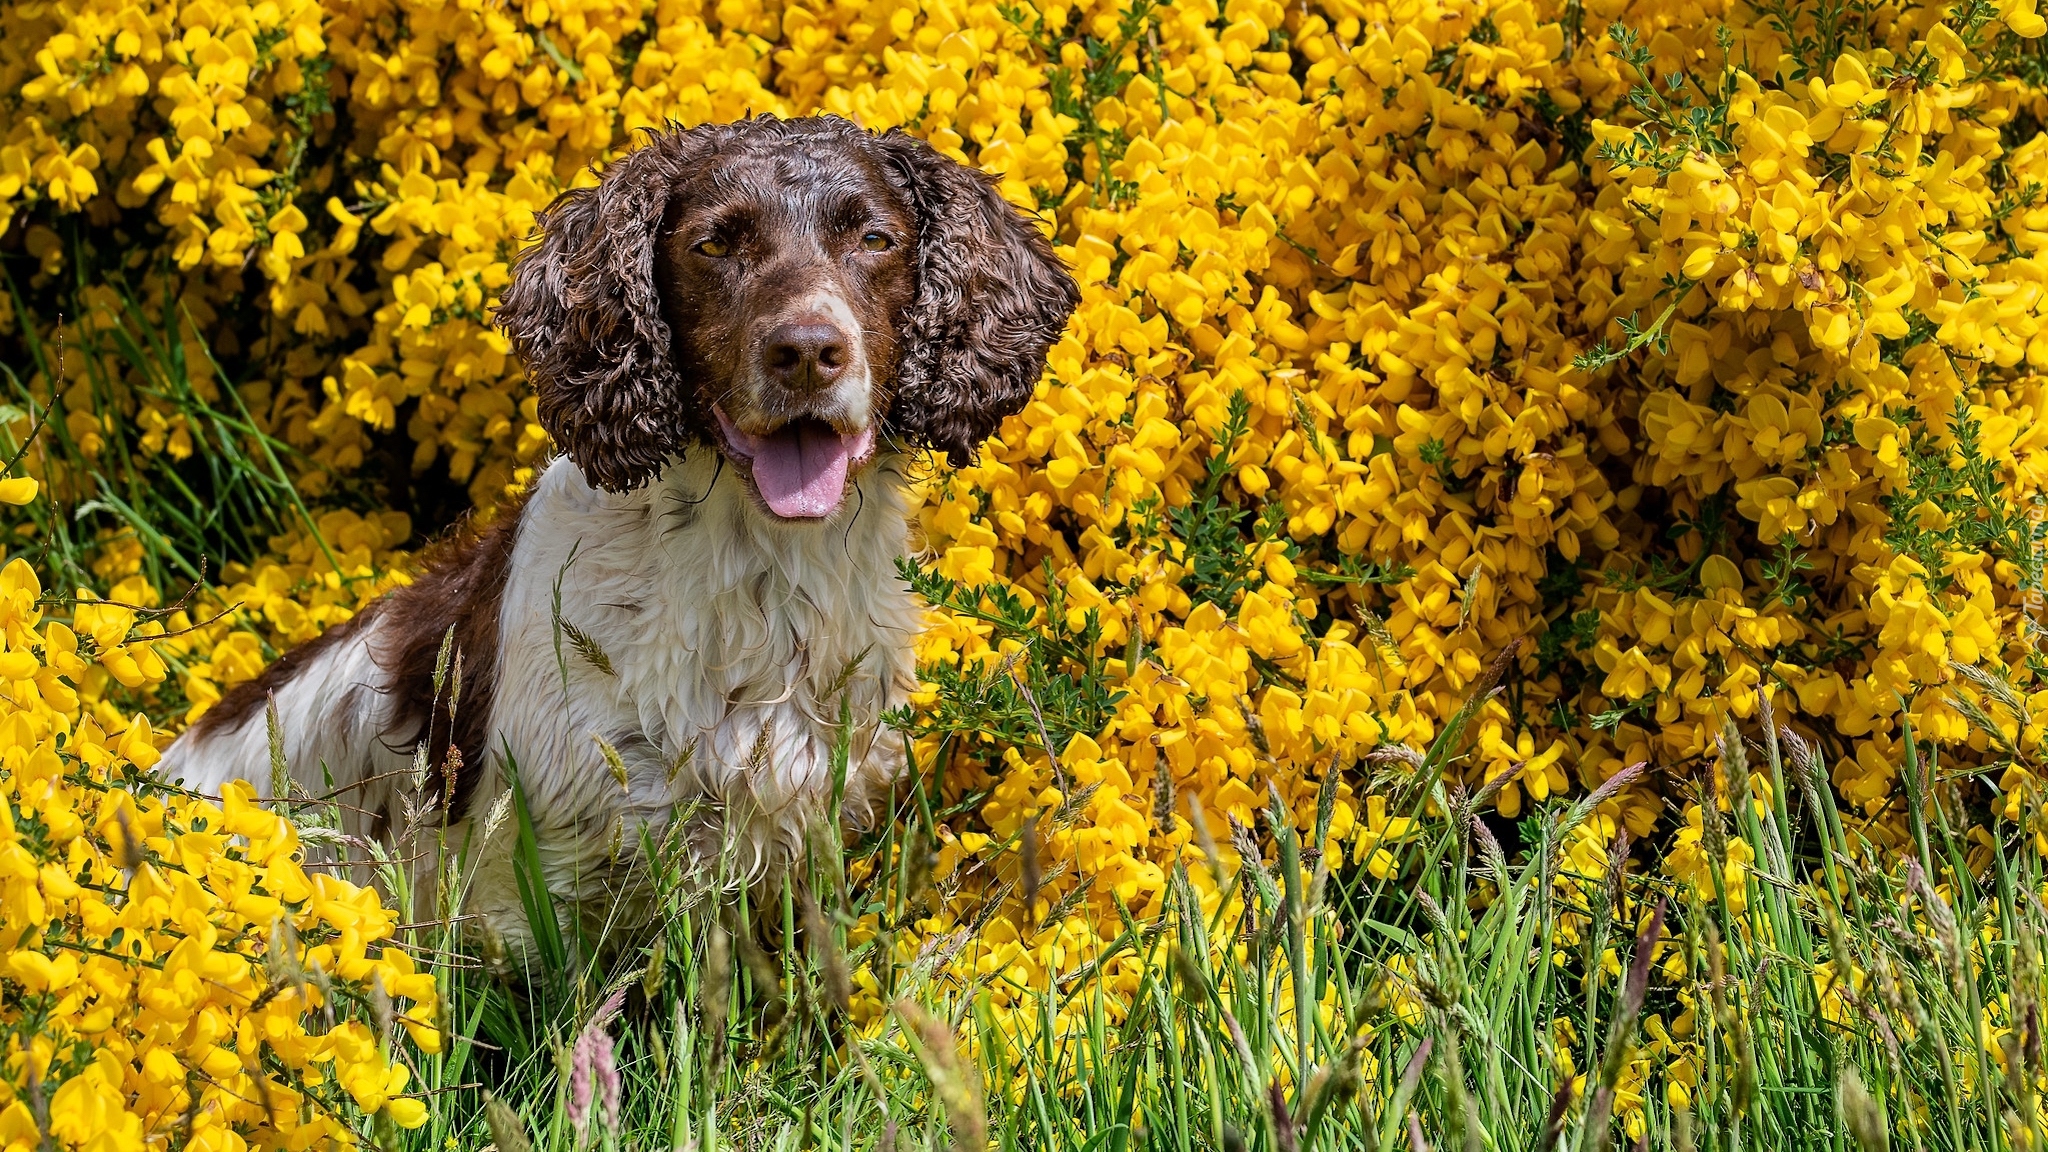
709 652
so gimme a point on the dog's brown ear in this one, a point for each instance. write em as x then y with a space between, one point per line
584 314
991 299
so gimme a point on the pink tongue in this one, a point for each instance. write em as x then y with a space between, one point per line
801 469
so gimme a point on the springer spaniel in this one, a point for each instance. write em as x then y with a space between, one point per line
735 338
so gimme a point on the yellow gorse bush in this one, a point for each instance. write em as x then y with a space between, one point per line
1689 352
174 972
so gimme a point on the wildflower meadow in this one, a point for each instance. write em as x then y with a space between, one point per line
1517 617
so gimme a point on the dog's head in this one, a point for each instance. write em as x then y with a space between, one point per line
788 291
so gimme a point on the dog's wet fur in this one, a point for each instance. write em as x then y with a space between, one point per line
735 338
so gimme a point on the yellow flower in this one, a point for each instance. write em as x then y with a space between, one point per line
135 909
1330 429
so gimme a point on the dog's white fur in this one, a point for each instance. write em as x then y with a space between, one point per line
726 631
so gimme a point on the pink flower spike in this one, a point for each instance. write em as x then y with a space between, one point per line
609 1009
606 1072
580 1081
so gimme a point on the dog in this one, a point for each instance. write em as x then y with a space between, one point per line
739 340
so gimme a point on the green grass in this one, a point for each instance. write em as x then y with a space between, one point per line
222 501
1443 1030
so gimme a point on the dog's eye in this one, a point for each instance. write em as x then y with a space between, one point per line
715 248
877 242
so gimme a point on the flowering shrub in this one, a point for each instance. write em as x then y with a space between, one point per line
174 972
1688 353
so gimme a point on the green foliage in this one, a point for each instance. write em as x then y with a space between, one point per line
1954 500
1051 688
223 501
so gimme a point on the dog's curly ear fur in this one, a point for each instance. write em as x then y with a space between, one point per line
584 314
991 299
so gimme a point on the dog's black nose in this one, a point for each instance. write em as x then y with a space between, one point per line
805 355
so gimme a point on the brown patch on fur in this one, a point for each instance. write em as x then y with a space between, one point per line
462 588
992 298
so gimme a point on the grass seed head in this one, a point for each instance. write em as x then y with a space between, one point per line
1862 1114
831 961
1029 873
507 1130
956 1082
717 989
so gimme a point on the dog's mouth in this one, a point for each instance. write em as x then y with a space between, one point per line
800 468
